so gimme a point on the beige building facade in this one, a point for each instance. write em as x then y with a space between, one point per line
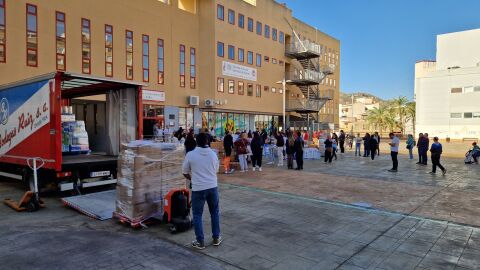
204 64
353 115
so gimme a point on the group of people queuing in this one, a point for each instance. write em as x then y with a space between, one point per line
370 142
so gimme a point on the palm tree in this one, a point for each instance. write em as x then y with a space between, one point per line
399 106
410 111
381 118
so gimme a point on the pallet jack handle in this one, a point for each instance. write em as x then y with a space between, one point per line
32 163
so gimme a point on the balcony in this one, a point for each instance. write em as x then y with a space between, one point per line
303 50
328 69
303 106
304 77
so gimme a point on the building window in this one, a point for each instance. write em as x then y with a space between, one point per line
282 37
220 85
220 12
60 40
274 34
231 86
250 58
86 47
259 60
259 28
240 88
266 59
280 90
250 90
220 48
193 68
129 54
3 33
274 61
108 50
145 57
274 90
241 56
182 65
467 115
476 115
32 38
468 89
231 52
456 90
231 16
250 24
476 89
241 21
267 31
266 88
455 115
258 92
161 61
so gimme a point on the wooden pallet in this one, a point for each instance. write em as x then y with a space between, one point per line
142 222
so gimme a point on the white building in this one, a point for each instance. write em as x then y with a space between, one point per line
447 91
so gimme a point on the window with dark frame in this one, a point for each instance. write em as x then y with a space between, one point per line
32 36
240 88
220 85
145 58
274 90
250 24
456 90
231 52
250 89
259 28
241 20
3 32
220 49
281 38
259 91
60 40
266 88
182 65
193 68
274 34
129 54
161 61
267 31
259 60
266 59
231 86
250 58
108 50
220 12
86 46
231 17
241 55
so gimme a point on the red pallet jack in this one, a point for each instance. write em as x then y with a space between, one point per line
176 210
30 201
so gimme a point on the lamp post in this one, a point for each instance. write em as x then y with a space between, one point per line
283 82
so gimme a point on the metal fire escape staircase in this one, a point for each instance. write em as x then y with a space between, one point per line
307 79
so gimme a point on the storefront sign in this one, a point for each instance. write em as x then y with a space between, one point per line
239 71
153 95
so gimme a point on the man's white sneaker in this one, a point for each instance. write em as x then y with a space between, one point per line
253 169
260 169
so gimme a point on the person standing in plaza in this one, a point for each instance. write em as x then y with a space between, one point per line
241 148
341 140
378 143
373 146
436 151
200 167
334 145
257 151
328 149
366 145
280 144
394 144
290 150
298 147
190 142
419 150
425 149
227 147
410 145
358 143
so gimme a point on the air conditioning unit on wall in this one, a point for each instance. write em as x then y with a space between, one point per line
193 100
209 102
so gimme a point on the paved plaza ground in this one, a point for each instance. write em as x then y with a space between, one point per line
351 214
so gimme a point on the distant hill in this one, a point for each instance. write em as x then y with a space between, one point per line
346 98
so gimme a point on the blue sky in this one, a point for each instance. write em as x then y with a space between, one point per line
382 39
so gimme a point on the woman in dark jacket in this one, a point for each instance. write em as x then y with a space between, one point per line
290 149
373 146
366 145
227 146
298 146
328 149
257 151
190 143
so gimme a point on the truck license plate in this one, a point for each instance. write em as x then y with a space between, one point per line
100 173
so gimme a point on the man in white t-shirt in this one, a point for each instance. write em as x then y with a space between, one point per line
201 166
395 142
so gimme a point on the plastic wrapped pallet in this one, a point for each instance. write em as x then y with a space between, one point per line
147 171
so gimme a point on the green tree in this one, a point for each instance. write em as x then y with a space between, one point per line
410 111
381 118
399 106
